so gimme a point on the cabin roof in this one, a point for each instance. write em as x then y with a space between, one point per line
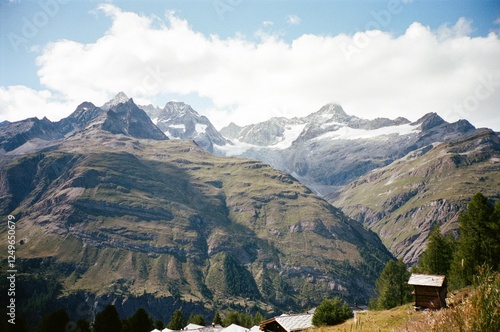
426 280
292 322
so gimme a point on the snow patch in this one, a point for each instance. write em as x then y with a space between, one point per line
201 128
352 134
178 126
237 148
292 132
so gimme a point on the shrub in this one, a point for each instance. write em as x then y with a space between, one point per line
331 312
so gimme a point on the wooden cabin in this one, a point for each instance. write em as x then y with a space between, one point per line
430 290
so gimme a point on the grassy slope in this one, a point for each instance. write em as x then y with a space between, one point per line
129 216
396 319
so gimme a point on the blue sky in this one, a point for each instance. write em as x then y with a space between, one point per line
253 59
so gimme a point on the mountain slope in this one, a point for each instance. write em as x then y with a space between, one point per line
110 212
430 185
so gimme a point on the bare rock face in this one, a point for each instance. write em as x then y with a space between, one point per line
179 121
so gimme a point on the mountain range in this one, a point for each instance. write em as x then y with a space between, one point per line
138 205
332 153
110 210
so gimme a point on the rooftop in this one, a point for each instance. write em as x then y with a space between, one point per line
426 280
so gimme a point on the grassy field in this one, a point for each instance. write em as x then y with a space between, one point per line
472 309
397 319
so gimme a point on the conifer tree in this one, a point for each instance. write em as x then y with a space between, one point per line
140 321
392 286
197 319
479 241
159 325
258 318
108 320
217 319
177 322
54 322
438 256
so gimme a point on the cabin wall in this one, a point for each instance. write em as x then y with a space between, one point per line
430 297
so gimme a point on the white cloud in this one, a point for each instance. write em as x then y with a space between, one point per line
370 74
293 19
462 28
19 102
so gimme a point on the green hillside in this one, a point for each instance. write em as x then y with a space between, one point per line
120 218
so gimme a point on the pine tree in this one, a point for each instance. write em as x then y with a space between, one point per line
54 322
438 256
140 321
108 320
197 319
258 318
159 325
479 241
238 318
177 322
392 286
217 319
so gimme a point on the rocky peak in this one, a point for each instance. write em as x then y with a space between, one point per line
84 114
15 134
232 130
430 120
118 99
178 109
461 126
329 113
128 119
180 120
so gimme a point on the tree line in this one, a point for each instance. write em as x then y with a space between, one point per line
459 259
109 320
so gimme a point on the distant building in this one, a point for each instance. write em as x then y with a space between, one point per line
430 290
287 323
212 328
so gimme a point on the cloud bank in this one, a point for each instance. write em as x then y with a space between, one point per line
247 80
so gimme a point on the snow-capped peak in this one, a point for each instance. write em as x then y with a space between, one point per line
329 113
118 99
179 109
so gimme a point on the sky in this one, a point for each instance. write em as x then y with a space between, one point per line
245 61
